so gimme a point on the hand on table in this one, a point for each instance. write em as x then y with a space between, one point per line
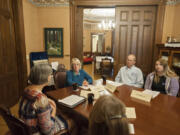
85 83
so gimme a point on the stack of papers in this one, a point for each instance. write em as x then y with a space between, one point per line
99 90
96 90
97 82
93 88
85 94
85 87
104 92
152 93
72 101
100 81
114 83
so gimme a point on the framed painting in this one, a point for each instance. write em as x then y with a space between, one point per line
54 41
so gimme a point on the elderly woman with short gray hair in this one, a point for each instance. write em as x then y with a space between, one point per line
36 109
77 75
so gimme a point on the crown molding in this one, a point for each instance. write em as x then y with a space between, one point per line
172 2
50 3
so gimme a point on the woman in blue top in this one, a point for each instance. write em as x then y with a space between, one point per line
77 75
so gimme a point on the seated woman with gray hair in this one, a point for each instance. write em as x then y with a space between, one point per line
77 75
36 109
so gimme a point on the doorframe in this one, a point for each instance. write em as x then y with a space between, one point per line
17 6
74 5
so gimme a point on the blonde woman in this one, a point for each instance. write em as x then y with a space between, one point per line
108 117
163 79
77 75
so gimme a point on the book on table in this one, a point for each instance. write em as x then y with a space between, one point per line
72 101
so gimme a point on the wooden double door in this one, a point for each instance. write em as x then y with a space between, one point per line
135 34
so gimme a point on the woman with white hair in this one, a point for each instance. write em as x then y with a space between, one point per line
77 75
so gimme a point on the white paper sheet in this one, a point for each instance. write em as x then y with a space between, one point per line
130 112
97 88
131 128
105 92
54 65
84 87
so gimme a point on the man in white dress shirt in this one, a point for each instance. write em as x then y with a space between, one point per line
130 74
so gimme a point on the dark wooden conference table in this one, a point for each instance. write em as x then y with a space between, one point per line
159 117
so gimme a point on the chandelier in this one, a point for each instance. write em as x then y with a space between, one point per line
45 3
106 25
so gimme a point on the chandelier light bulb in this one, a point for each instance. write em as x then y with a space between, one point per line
99 25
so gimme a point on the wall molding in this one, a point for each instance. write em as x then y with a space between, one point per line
50 3
172 2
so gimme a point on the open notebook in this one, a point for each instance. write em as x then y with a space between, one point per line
72 101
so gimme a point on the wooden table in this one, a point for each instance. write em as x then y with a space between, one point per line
159 117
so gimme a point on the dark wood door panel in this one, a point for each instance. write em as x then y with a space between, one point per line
135 34
5 4
9 79
8 58
9 92
77 45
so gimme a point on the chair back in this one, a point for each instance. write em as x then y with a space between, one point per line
178 95
38 58
60 79
15 125
106 66
106 62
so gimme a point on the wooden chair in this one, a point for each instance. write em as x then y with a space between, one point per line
17 126
178 95
38 57
62 132
144 78
60 80
106 67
